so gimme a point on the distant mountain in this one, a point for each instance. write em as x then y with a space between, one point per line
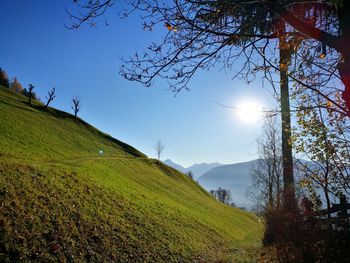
235 177
196 169
175 166
201 168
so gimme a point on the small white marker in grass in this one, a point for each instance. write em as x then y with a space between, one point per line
100 152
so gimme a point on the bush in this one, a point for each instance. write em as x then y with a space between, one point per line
303 237
16 86
4 80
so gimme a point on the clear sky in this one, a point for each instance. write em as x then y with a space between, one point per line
37 48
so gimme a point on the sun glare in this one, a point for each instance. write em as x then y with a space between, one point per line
250 112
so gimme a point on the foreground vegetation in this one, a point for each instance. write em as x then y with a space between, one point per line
69 192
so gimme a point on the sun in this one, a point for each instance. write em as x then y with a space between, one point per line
250 111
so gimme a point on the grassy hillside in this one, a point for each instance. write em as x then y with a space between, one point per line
62 201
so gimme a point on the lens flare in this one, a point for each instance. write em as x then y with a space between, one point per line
250 112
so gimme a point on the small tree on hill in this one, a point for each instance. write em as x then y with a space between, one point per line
222 194
31 94
76 106
159 147
4 80
50 96
190 174
16 86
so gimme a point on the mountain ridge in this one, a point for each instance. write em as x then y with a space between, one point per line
197 169
234 177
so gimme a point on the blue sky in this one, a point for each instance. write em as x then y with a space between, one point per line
37 48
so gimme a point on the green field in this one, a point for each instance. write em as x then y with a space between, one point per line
62 201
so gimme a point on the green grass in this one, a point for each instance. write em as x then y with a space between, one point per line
60 201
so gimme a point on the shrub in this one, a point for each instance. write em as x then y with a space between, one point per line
16 86
4 80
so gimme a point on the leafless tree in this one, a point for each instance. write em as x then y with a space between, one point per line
202 34
159 147
76 105
50 96
267 171
190 174
222 194
31 94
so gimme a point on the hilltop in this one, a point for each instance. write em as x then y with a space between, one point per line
64 201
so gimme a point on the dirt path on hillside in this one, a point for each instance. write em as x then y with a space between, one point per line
97 158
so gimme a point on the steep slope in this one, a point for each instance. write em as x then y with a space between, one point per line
235 177
62 201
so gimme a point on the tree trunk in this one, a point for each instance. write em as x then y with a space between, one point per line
326 194
270 187
277 178
344 65
278 192
288 177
